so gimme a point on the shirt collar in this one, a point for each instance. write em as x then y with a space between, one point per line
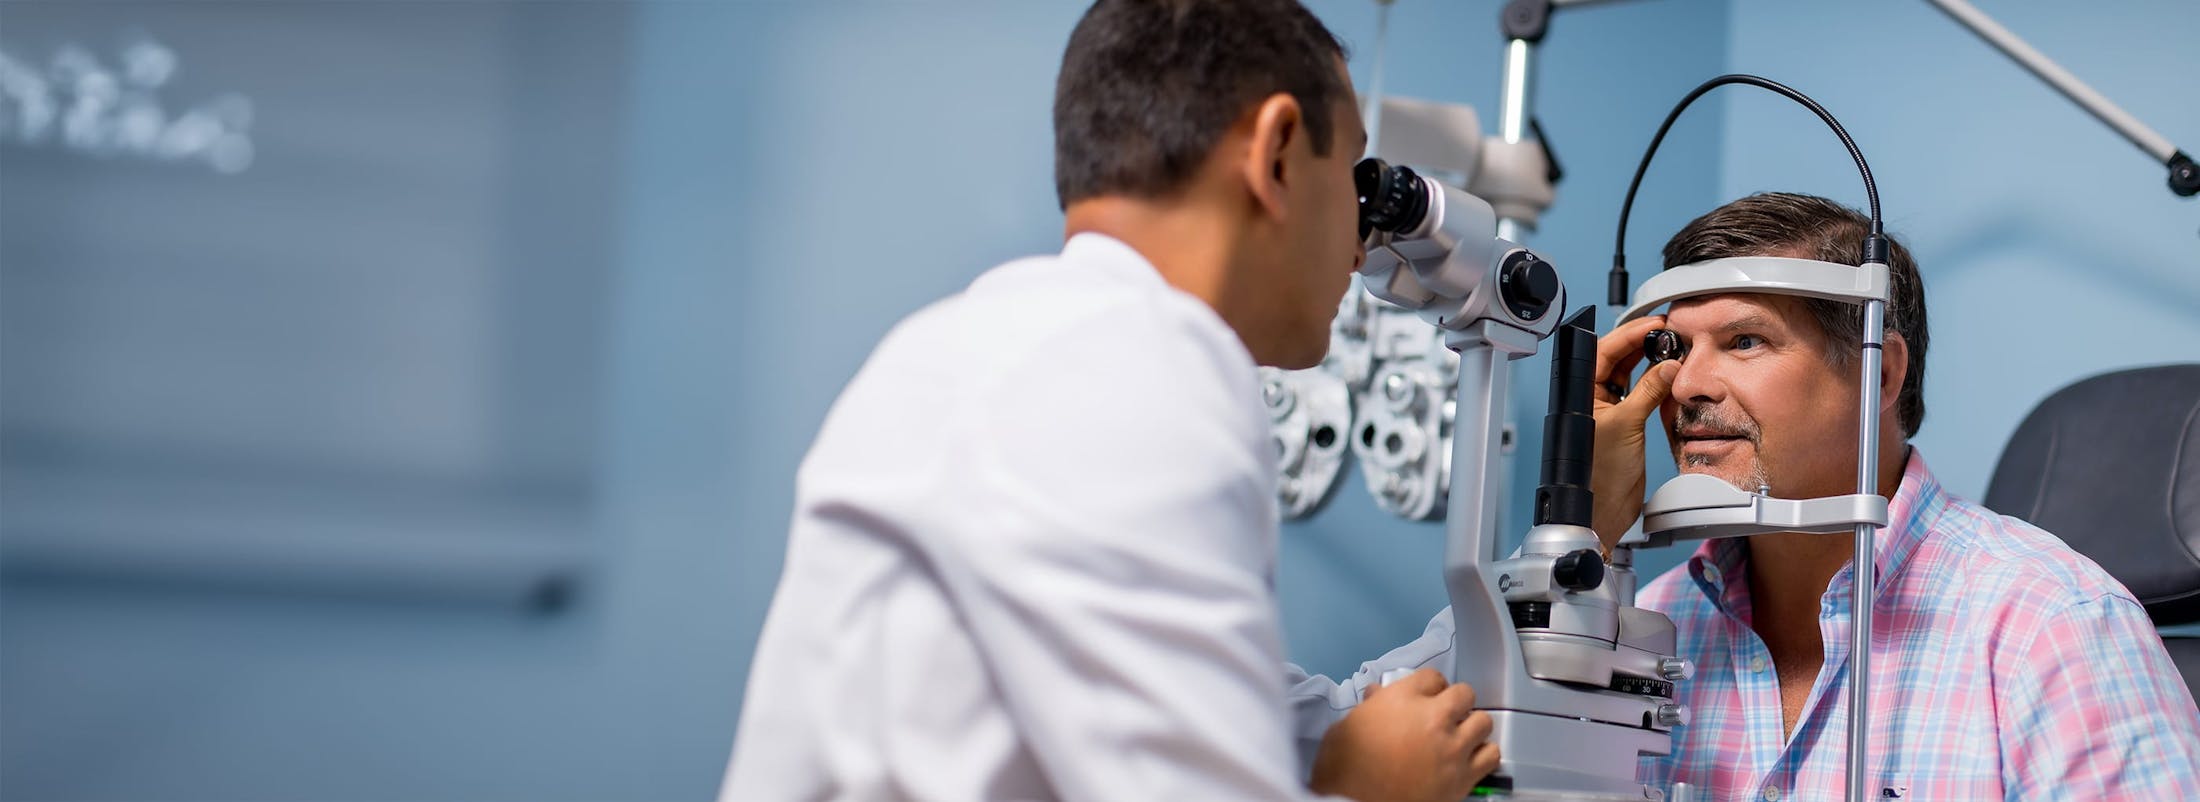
1720 570
1720 567
1911 514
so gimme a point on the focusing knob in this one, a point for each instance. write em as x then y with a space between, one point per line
1528 284
1671 715
1578 571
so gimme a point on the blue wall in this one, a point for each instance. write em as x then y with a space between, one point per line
384 338
797 176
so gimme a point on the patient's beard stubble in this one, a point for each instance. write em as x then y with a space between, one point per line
1754 479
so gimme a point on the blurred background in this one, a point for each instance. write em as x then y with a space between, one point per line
400 400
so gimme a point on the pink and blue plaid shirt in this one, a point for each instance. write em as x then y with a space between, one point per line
2004 666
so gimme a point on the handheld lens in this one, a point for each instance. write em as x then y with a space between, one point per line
1661 345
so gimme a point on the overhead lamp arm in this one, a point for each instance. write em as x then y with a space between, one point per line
2184 175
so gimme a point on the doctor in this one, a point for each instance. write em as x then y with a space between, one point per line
1034 545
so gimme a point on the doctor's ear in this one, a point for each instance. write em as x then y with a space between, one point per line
1278 125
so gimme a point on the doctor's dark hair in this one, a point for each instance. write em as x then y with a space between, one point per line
1811 227
1149 86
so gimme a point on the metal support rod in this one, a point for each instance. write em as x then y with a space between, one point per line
1472 519
2047 70
1512 125
1372 115
1865 576
1515 106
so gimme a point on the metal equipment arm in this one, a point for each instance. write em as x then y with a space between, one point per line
2184 175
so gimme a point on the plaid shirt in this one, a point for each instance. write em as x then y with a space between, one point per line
2004 666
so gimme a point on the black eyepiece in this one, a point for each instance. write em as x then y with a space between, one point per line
1392 197
1570 431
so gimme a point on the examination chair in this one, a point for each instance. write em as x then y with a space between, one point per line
2111 464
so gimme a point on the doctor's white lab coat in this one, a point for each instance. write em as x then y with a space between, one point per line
1032 557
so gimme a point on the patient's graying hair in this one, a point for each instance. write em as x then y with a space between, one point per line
1811 227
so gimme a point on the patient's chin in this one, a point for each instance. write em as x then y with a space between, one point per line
1743 474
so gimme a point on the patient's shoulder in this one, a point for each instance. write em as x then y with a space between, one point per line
2003 562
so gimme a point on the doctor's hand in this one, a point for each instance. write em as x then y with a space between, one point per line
1617 479
1415 739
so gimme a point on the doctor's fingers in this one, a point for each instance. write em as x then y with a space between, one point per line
1483 762
1458 702
1425 682
1476 728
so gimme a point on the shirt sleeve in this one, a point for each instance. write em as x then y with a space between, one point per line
1318 702
1114 568
2092 708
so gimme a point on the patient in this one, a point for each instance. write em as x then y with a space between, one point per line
2006 665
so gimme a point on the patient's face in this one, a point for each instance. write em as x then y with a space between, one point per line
1756 401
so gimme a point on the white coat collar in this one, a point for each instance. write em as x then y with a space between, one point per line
1118 257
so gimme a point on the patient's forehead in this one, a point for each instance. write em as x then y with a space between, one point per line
1702 314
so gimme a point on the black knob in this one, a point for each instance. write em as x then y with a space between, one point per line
1528 284
1578 571
2184 175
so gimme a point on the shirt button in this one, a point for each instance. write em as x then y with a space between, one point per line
1772 794
1757 665
1711 574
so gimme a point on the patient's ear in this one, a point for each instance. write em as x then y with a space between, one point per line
1894 369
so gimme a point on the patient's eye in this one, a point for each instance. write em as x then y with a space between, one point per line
1744 342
